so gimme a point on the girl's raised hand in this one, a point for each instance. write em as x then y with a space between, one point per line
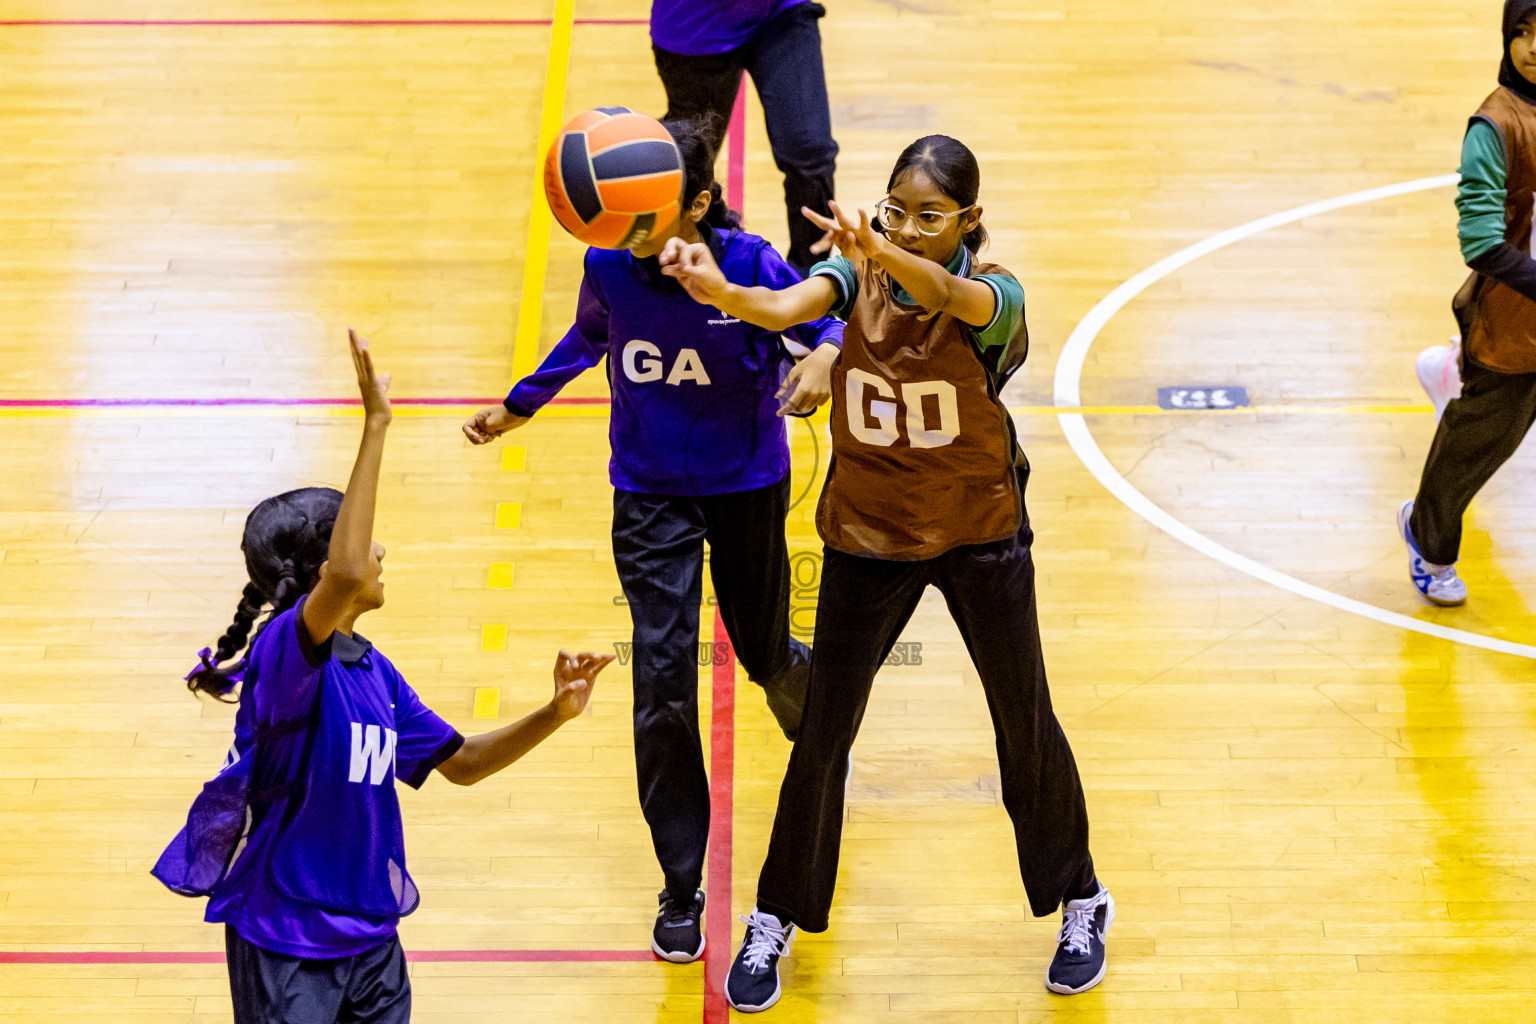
374 387
575 675
695 269
857 241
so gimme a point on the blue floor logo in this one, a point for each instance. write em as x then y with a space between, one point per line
1216 396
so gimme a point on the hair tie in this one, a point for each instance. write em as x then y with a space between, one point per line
209 662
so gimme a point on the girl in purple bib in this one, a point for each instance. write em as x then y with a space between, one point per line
297 841
699 453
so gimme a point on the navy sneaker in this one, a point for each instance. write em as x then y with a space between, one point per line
1079 962
679 932
1437 584
753 983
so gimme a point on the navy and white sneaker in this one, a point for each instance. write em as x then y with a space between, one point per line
679 933
1079 962
1437 584
753 984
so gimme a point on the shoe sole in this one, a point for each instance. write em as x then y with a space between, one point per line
778 990
675 957
1424 368
1065 990
1435 357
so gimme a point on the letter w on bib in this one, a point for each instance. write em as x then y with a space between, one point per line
369 756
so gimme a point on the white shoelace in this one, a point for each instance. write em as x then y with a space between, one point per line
1077 926
766 939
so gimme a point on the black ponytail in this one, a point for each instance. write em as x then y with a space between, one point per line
697 140
286 540
952 168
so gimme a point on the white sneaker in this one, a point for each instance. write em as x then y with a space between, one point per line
1439 372
1437 584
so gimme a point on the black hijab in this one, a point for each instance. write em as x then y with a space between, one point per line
1516 12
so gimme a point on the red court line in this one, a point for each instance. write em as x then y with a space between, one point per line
722 772
722 719
307 22
426 956
736 140
154 403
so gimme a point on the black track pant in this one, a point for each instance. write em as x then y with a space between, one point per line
1478 433
269 988
784 60
863 605
658 547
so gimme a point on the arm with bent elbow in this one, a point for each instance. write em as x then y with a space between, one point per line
772 309
488 753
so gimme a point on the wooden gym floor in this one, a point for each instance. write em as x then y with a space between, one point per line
1307 810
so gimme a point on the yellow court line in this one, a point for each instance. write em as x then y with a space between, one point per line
530 311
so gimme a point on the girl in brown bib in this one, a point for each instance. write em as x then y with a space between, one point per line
926 487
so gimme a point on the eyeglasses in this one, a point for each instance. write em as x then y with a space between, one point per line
929 222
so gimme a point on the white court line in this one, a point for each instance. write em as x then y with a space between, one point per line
1069 373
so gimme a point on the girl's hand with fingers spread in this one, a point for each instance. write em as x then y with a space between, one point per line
374 387
695 269
575 675
490 423
857 240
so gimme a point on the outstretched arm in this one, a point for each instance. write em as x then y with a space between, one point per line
582 348
351 552
930 285
488 753
774 310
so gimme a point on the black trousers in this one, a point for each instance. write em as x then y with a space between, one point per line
658 547
269 988
863 606
1477 434
784 60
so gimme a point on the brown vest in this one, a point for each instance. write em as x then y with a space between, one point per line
923 452
1499 322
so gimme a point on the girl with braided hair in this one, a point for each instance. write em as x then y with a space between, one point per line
297 841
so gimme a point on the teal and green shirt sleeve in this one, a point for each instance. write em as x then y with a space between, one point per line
1009 312
1480 196
839 270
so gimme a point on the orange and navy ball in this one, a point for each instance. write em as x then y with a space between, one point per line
613 177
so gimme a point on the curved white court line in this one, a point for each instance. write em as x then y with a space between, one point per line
1069 372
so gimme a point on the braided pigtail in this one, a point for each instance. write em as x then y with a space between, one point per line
286 540
289 590
208 677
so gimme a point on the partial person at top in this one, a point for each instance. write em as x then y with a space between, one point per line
1483 384
703 46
